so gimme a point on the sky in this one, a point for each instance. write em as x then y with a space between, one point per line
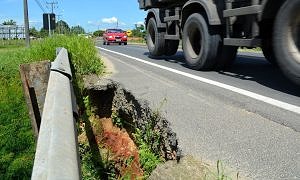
90 14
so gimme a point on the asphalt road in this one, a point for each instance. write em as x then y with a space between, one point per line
248 116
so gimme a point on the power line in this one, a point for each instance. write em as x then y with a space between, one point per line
40 5
45 2
58 17
52 5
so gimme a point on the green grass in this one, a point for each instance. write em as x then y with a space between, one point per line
243 49
16 137
11 43
17 143
149 159
81 51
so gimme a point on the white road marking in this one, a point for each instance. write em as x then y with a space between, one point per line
274 102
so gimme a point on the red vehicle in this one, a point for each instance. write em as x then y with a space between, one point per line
114 36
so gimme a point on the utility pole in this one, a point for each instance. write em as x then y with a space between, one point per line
49 25
52 5
52 11
26 23
58 19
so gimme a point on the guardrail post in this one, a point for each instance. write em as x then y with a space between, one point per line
57 148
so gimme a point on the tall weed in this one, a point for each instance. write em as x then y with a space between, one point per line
81 51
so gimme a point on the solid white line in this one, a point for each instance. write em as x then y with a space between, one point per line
274 102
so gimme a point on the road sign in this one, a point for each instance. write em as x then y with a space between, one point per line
46 24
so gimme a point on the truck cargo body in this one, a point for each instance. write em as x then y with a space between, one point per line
212 30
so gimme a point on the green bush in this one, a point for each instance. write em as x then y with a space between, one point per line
17 143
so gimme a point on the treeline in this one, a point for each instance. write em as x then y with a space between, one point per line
62 27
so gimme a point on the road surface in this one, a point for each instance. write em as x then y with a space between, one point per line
248 117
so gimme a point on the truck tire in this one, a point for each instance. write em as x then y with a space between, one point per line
267 49
200 46
286 39
171 47
155 39
226 57
266 30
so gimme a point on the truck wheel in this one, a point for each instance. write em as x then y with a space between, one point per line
266 27
171 47
287 39
226 57
200 46
268 51
155 39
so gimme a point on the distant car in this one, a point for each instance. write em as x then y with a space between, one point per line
114 36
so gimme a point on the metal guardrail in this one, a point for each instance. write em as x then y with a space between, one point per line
57 148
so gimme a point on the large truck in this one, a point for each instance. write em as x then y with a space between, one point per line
212 30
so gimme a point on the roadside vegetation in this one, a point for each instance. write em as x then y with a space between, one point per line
136 40
8 44
244 49
17 143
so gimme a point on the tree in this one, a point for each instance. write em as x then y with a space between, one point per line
33 32
139 31
98 33
77 30
9 22
62 27
44 33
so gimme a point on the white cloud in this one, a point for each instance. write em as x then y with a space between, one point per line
94 23
110 20
139 23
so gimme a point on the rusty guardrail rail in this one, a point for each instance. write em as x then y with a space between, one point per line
57 148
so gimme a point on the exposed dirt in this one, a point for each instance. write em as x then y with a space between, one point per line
108 96
118 154
125 152
116 145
